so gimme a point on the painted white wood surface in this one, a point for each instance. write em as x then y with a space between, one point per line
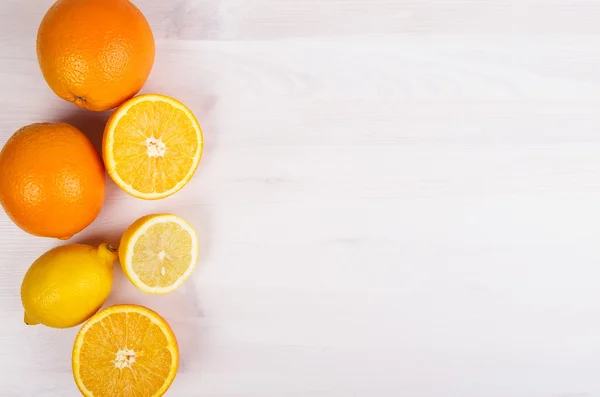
398 198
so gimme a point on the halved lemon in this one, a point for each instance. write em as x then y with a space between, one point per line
158 253
125 350
152 146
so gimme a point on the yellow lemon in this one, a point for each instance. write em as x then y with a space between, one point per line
158 253
67 285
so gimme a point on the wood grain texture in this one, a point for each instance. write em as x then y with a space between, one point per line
398 198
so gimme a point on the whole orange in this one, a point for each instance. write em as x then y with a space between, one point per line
52 180
95 53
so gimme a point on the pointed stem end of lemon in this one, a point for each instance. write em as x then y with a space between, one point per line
108 251
29 320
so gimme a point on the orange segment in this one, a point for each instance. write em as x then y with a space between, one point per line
125 350
152 146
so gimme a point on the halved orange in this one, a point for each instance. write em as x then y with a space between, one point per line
127 351
152 146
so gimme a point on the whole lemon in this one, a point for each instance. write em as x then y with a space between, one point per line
67 285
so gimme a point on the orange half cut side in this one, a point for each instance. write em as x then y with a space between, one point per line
152 146
125 350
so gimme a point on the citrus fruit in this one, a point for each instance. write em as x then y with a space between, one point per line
52 180
95 53
125 350
158 253
67 285
152 146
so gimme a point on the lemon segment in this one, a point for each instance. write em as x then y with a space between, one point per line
158 253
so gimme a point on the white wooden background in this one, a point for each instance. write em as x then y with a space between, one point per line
397 198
